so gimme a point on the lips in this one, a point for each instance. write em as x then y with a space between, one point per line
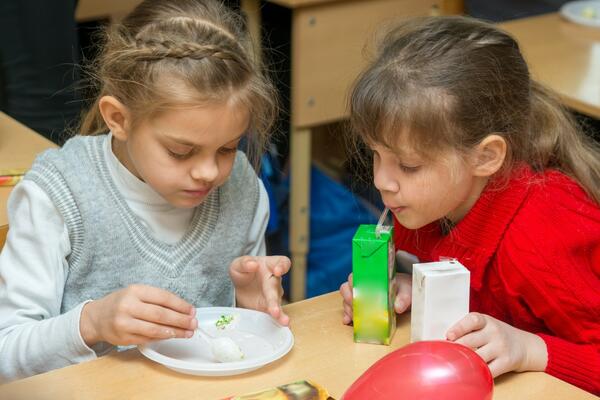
198 192
395 209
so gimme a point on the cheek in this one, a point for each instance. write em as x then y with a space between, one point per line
429 193
422 187
146 154
161 170
225 167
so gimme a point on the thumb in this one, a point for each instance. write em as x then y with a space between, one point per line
243 269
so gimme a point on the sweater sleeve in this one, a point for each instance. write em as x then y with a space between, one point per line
34 336
578 364
555 273
256 236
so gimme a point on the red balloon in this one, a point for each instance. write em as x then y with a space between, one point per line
437 370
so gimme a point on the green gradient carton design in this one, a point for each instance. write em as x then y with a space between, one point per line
373 289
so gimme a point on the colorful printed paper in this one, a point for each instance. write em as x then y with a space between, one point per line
11 176
10 180
301 390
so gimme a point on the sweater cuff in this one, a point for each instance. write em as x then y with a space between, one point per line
86 352
578 364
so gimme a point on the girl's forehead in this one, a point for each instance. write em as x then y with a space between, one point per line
400 149
222 119
408 153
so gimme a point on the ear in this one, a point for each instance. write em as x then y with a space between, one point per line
116 116
489 155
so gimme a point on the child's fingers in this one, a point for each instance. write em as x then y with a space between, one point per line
404 295
278 265
474 340
471 322
130 339
278 314
272 292
487 352
401 303
244 265
404 283
165 316
497 367
156 331
347 314
243 269
346 292
284 319
281 317
160 297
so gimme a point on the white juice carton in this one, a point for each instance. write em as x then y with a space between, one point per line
440 298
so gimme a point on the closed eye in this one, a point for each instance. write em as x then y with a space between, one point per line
410 169
179 156
228 150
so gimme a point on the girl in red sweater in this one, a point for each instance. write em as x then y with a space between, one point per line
479 163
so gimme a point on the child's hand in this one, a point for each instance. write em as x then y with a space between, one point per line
136 315
403 282
257 282
503 347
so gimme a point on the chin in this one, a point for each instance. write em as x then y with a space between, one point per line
410 223
188 203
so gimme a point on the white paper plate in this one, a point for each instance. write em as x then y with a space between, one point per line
261 339
578 12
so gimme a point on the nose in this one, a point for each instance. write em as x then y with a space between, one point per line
206 170
384 179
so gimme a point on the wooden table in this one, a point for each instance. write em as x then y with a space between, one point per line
18 147
563 56
323 352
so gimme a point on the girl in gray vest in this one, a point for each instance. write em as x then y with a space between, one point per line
151 211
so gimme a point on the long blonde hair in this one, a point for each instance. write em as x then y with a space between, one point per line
451 81
169 53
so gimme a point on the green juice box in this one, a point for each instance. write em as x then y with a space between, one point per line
373 271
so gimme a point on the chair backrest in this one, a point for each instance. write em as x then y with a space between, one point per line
3 232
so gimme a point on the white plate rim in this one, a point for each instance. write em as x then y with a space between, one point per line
232 367
566 11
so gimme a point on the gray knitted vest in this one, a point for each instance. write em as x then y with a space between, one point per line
111 249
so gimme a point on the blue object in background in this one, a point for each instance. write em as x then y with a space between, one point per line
335 214
269 179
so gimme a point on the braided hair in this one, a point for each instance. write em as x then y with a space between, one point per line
174 53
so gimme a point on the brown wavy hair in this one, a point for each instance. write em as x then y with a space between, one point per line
168 54
449 82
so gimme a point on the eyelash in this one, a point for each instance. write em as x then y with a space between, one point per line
228 150
179 156
404 168
409 170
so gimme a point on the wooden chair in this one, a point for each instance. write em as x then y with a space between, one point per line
3 232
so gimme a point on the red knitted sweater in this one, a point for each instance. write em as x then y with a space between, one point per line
533 249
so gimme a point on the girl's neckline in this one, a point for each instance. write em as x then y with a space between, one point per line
171 258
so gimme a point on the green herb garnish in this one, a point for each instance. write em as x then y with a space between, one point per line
223 321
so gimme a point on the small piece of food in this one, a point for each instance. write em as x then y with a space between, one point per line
224 321
226 350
